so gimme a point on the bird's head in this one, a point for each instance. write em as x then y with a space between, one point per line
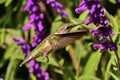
65 28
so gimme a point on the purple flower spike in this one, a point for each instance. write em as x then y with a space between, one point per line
118 1
36 66
32 63
106 45
37 21
33 44
96 12
50 1
96 16
39 72
28 5
16 39
25 47
35 8
82 7
100 46
1 79
47 76
27 27
102 32
64 13
58 6
31 69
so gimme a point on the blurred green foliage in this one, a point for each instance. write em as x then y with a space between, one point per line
89 64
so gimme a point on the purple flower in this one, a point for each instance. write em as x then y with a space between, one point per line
64 14
34 66
27 27
82 7
102 32
37 21
39 72
106 45
1 79
50 1
118 1
96 12
96 16
58 6
22 43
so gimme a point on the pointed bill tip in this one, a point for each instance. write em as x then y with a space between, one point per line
22 64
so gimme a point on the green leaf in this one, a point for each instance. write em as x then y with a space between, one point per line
68 74
32 76
112 1
115 27
88 77
92 63
44 66
9 52
114 76
52 60
107 76
2 36
56 24
58 71
7 3
61 62
16 32
6 18
71 17
83 16
2 1
11 69
19 55
80 48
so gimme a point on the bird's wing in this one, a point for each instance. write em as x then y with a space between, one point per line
68 38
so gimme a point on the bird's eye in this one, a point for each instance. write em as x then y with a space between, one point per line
67 28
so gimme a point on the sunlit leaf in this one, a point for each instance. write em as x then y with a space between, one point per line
61 62
58 71
32 77
57 22
88 77
2 36
2 1
8 2
114 76
107 76
11 69
112 1
92 63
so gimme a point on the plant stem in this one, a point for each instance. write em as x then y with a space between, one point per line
116 54
109 17
44 10
73 57
118 61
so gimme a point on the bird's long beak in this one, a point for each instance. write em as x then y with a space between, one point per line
77 24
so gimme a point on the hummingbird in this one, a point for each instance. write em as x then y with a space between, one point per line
61 38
